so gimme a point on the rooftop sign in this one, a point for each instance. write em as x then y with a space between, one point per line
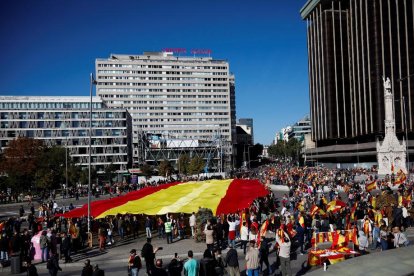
184 51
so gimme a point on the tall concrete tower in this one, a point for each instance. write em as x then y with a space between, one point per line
390 152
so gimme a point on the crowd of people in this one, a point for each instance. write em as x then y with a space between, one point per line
318 201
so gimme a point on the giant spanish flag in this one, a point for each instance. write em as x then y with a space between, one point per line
221 196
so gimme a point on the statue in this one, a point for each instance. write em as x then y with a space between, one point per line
387 83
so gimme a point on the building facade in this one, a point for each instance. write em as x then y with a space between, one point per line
351 46
300 129
247 125
64 121
171 96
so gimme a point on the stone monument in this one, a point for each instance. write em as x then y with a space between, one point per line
391 153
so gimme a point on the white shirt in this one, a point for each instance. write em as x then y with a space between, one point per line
192 220
244 233
404 212
232 226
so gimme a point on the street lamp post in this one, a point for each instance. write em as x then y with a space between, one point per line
66 165
92 83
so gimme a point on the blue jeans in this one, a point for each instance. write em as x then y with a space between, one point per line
4 255
148 231
232 242
45 254
134 271
384 244
121 232
374 243
160 232
253 272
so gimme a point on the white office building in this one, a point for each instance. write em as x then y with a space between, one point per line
173 97
64 121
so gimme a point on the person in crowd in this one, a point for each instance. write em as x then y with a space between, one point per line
87 269
363 243
209 238
31 270
134 263
148 253
232 261
192 223
232 231
252 260
102 234
375 236
244 237
53 265
97 271
44 242
158 269
168 231
400 238
66 247
207 264
264 255
175 267
160 226
148 227
191 266
384 237
284 244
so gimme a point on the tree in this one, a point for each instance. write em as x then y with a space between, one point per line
183 164
84 176
283 149
165 168
20 161
196 165
147 170
50 173
109 172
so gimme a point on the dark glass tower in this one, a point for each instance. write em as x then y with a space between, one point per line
352 44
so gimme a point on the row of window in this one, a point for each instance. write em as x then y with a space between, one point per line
160 78
59 115
125 90
47 105
183 126
183 120
162 66
48 133
161 84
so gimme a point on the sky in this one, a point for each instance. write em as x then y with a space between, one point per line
49 47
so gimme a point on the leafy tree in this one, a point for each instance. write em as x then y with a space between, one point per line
165 168
147 170
50 171
109 172
74 174
283 149
84 176
196 165
183 164
20 161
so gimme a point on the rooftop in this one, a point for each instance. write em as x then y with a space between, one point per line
160 56
71 99
308 7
